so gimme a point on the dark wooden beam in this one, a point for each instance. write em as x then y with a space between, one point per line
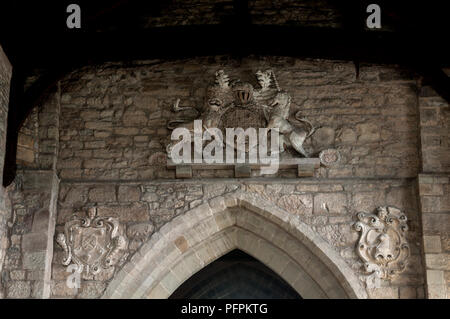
16 95
242 13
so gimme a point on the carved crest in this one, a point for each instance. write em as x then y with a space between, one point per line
236 104
92 243
382 245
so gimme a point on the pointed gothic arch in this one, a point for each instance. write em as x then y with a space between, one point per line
242 221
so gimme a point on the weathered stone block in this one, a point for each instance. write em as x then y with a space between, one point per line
150 197
324 137
34 242
129 194
101 134
214 190
431 189
25 154
90 115
340 172
429 116
95 145
384 293
438 261
18 290
17 275
128 131
105 275
136 212
347 136
182 244
436 224
38 290
34 260
437 291
183 171
401 197
307 188
368 132
97 125
60 289
338 235
60 273
242 171
435 278
70 163
140 232
368 201
97 163
432 244
331 203
408 293
103 194
297 204
76 196
92 290
134 118
305 170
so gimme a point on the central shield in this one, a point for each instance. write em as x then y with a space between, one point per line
92 244
238 117
246 112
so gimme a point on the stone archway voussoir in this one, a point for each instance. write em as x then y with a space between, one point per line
212 229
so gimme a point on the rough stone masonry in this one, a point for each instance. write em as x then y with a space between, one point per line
103 132
5 78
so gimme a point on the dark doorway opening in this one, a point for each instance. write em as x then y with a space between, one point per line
235 276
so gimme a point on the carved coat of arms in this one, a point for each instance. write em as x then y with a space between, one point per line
236 104
382 244
92 243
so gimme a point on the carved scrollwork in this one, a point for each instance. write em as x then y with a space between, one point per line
382 245
92 243
330 157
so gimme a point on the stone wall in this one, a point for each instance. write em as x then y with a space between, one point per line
27 266
5 80
143 208
104 130
33 194
28 142
435 201
435 131
114 118
38 140
434 188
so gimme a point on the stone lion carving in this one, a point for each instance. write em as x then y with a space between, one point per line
382 245
92 243
217 101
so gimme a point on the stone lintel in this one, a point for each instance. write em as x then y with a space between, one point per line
306 170
305 165
183 171
242 171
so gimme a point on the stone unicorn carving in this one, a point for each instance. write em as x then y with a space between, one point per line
291 133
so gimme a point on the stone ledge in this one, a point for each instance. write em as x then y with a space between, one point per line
305 167
284 164
256 180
